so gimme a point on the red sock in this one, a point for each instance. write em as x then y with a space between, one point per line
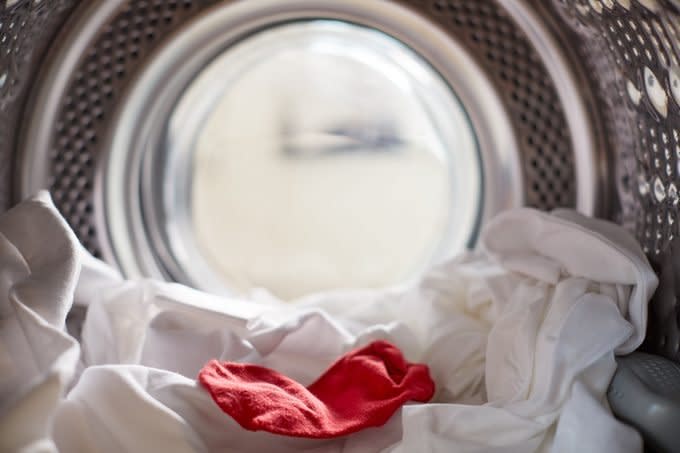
362 389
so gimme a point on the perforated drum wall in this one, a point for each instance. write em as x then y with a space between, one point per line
633 49
26 31
624 58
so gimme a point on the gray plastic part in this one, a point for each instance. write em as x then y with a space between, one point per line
645 393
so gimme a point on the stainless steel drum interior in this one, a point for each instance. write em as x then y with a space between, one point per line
114 105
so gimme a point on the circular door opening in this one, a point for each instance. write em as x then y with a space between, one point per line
316 155
304 145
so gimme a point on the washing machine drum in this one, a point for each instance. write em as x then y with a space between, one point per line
306 145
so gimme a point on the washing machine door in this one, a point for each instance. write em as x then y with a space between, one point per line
307 145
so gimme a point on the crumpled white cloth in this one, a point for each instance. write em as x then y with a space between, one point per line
520 338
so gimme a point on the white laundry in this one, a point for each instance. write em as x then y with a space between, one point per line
520 338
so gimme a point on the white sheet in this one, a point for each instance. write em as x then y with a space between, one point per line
520 338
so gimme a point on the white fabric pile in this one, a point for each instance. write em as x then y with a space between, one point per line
520 338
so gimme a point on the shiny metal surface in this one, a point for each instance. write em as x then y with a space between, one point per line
74 96
104 97
632 52
590 168
26 30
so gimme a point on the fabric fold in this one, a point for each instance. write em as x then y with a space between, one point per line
519 337
39 268
362 389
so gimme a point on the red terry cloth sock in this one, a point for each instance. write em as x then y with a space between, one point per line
361 389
